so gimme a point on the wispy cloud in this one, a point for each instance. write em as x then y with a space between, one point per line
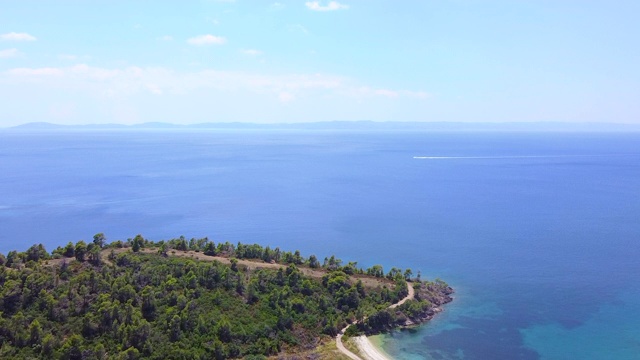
331 6
9 53
213 21
207 40
46 71
392 94
71 57
286 97
252 52
13 36
165 38
277 6
298 28
123 82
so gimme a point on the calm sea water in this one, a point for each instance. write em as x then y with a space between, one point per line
538 232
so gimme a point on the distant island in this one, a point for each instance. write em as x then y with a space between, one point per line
342 125
195 299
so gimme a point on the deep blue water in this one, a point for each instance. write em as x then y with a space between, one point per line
538 232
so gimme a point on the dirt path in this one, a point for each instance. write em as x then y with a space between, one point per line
341 347
344 350
409 296
367 280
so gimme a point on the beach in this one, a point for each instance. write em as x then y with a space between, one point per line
368 350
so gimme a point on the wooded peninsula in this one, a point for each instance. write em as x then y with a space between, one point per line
195 299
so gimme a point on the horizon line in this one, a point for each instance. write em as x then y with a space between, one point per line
159 124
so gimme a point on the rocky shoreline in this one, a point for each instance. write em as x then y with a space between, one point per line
428 299
436 293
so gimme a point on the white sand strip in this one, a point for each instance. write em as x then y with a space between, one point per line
368 350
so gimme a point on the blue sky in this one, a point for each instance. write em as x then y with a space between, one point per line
72 62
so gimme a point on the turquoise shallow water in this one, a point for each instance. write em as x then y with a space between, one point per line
538 232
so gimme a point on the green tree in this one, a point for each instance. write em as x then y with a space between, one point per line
35 332
394 273
14 258
94 254
164 248
408 274
48 345
81 250
313 262
224 331
36 252
69 250
129 354
99 239
138 243
72 348
210 249
376 270
174 328
100 352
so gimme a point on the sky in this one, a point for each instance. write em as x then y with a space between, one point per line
186 62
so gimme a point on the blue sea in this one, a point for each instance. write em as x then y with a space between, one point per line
539 233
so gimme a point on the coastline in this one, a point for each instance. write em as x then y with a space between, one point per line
369 349
437 293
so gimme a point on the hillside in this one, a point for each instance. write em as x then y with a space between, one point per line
181 299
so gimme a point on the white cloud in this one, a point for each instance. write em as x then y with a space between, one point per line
333 5
166 38
95 73
207 40
130 94
154 89
72 57
47 71
386 93
8 53
392 94
128 81
252 52
286 97
298 28
13 36
415 94
277 6
214 21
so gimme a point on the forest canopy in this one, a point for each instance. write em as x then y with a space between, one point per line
183 299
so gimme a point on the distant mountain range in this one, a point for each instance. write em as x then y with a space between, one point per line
344 125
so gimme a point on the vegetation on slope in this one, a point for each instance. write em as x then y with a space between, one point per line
135 300
429 296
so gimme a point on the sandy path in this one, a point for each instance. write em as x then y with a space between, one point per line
409 296
365 346
343 349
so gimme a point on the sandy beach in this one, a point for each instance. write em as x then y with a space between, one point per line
368 350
